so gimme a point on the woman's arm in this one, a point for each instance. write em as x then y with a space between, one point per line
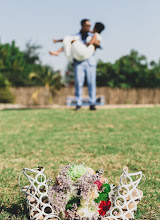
94 41
57 41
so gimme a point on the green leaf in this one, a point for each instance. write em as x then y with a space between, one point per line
102 197
73 201
106 188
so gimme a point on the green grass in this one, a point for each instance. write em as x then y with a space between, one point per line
108 139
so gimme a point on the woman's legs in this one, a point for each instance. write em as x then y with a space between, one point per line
67 45
56 53
80 51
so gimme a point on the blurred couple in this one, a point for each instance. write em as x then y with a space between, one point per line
80 49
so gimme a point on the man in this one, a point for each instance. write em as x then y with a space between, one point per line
87 67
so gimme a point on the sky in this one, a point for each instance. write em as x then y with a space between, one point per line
130 24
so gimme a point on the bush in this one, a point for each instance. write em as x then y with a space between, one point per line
3 81
6 96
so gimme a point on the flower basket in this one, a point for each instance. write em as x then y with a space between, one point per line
45 199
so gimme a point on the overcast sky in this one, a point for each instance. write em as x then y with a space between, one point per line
130 24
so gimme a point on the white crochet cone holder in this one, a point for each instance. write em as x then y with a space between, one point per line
127 198
123 208
36 195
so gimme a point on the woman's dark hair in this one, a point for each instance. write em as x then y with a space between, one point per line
99 27
83 21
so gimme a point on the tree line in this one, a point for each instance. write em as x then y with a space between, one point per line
130 71
24 68
16 66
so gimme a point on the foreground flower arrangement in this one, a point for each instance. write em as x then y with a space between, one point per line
80 192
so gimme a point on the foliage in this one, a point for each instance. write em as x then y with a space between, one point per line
103 196
5 94
16 65
46 76
13 65
130 71
31 54
73 201
3 81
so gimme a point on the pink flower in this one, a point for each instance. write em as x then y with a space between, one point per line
98 183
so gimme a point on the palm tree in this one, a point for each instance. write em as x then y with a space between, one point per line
46 76
49 78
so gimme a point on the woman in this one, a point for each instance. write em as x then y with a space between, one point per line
75 49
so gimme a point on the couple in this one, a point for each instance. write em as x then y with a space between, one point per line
80 50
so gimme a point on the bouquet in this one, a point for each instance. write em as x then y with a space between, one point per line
81 193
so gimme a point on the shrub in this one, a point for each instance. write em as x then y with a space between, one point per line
3 81
6 96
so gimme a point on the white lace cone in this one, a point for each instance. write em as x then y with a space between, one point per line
36 194
128 196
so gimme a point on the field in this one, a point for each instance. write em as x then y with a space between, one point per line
109 139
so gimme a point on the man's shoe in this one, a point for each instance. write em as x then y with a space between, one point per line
78 107
92 107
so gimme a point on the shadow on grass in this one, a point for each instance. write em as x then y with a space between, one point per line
15 211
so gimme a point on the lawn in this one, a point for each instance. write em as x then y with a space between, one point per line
109 139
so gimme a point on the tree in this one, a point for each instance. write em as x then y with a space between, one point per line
16 66
47 77
31 54
13 64
130 71
154 76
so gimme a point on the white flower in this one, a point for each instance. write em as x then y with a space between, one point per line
87 209
72 193
84 202
84 212
90 170
93 194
